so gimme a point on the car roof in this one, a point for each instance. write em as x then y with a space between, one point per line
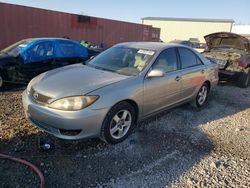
45 38
179 41
156 46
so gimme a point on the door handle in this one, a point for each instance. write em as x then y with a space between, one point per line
177 78
202 71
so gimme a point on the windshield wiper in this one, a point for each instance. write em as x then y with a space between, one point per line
100 68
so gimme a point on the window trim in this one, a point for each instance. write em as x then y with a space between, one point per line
177 59
197 57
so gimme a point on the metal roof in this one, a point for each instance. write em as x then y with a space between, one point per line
189 19
148 45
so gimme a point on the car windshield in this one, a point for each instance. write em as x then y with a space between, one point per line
122 60
14 49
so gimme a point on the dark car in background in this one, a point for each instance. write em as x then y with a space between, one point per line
25 59
186 43
232 53
195 42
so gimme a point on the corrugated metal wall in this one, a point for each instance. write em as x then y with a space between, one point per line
20 22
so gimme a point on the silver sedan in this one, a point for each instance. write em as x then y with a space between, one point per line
108 95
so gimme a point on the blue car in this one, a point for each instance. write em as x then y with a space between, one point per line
22 61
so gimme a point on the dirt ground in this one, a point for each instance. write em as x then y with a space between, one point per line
179 148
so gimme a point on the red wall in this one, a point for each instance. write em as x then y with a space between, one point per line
20 22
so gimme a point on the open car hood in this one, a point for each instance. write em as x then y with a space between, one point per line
227 40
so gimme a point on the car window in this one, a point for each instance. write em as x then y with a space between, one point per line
188 58
198 60
71 49
39 52
123 60
166 61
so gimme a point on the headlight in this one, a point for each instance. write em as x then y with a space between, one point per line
73 103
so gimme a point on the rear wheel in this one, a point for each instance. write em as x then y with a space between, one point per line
1 82
244 79
118 123
201 97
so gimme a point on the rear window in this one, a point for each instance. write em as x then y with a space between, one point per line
71 49
188 58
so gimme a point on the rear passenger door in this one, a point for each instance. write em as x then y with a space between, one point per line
193 72
69 52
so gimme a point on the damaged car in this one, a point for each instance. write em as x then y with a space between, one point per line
108 95
24 60
232 53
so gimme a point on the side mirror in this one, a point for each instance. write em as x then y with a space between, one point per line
156 73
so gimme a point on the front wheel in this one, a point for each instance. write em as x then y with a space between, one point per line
201 96
118 123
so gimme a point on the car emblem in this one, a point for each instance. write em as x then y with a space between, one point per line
35 95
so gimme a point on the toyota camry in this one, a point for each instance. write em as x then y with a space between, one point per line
125 84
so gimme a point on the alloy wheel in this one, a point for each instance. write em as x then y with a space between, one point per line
120 124
202 95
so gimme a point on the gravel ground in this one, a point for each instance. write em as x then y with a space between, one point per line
179 148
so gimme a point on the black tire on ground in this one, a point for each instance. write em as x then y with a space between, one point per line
109 120
244 79
197 102
1 82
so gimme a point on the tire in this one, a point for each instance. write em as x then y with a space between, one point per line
244 79
201 97
1 82
118 123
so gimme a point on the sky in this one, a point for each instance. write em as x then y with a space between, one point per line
134 10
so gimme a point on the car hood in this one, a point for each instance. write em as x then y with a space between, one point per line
5 58
73 80
228 40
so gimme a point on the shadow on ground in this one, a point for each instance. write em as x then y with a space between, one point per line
159 151
8 88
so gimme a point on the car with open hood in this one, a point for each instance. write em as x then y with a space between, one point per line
232 53
24 60
126 83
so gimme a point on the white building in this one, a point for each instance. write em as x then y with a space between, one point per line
243 30
185 28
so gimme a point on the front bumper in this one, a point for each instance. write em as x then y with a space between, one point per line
70 125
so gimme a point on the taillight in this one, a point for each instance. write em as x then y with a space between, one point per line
241 62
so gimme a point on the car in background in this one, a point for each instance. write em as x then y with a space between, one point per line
186 43
195 41
232 53
190 44
125 84
22 61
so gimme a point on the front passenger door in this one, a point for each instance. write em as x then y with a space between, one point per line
160 92
37 59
